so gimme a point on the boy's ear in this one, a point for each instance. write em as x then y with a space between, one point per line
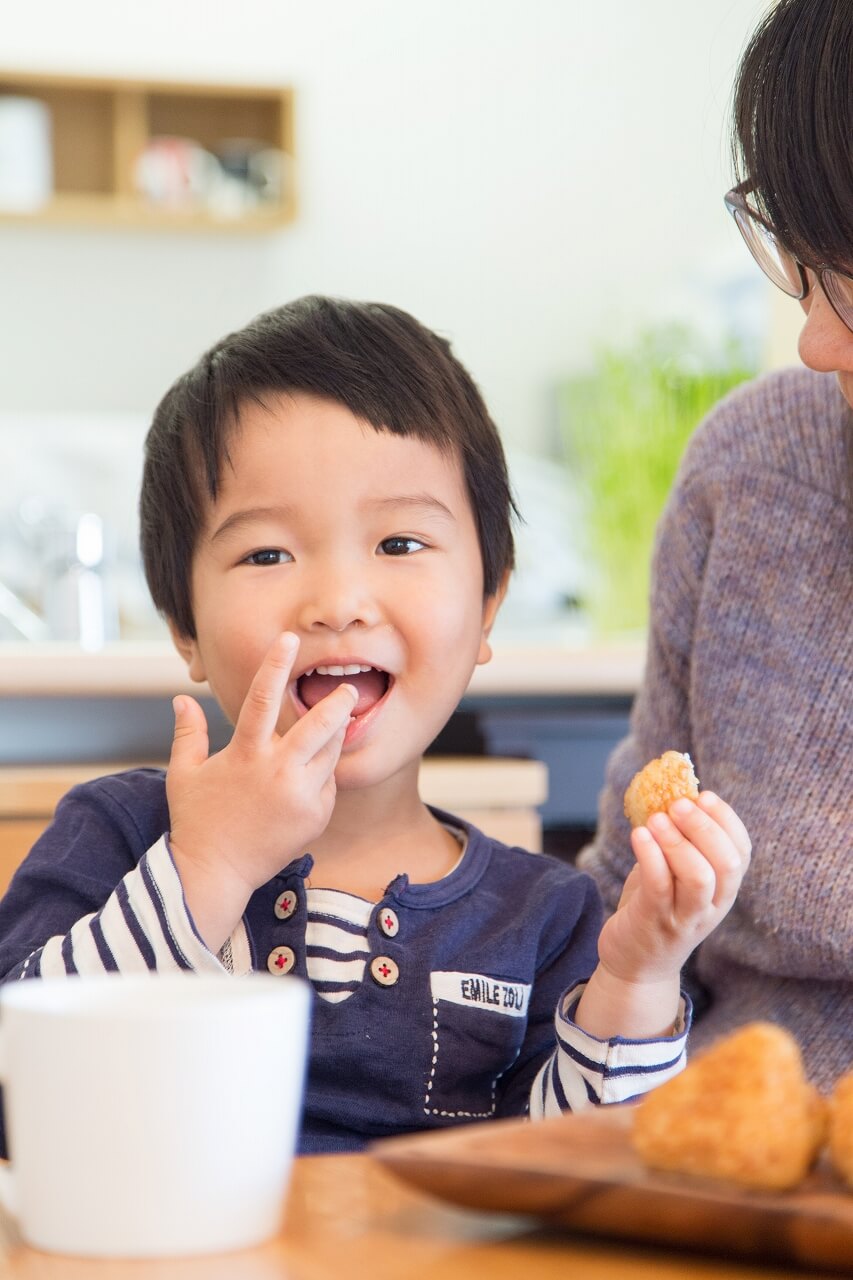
490 612
189 651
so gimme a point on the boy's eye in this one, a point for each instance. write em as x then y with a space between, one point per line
269 555
399 546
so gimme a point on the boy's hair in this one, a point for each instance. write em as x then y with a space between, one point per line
377 361
792 134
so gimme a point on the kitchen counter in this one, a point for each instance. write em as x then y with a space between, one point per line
151 669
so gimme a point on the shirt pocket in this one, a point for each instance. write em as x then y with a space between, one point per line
479 1023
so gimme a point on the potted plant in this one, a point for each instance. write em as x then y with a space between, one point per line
624 426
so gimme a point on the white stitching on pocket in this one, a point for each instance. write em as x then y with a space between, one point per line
435 1111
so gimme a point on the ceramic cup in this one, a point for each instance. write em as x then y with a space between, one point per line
151 1115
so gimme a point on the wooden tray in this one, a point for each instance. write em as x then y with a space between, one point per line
579 1171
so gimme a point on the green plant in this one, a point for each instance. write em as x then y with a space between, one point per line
624 426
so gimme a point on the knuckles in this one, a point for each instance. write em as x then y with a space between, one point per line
183 731
731 864
700 878
260 698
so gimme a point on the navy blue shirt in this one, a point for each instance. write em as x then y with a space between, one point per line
457 1024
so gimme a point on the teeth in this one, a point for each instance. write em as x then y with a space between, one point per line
352 669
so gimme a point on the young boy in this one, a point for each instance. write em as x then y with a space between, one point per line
326 526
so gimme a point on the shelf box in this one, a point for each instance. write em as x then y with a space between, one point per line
100 127
212 120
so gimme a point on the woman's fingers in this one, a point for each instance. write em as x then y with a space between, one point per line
259 713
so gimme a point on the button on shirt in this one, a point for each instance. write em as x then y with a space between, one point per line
384 970
388 922
281 960
285 905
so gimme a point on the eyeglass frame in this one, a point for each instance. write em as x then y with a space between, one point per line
735 202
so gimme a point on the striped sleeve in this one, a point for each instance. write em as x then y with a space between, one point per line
144 924
584 1071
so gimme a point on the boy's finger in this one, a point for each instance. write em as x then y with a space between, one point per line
707 841
729 821
651 874
324 762
694 875
259 713
318 727
190 744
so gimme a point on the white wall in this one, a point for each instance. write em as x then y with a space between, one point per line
526 178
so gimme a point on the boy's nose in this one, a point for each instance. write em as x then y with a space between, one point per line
337 603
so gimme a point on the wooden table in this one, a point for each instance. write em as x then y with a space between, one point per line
346 1218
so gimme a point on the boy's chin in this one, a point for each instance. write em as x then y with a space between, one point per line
353 775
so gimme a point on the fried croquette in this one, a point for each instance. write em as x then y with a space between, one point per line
661 782
841 1127
742 1110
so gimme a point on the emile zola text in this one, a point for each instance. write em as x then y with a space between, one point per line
499 994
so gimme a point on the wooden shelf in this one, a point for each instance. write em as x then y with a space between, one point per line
101 127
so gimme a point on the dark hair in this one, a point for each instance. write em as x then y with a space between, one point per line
792 135
378 361
793 127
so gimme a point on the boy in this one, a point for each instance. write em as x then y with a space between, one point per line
326 526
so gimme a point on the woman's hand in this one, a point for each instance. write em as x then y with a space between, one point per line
239 816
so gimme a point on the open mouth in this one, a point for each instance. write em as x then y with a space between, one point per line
317 683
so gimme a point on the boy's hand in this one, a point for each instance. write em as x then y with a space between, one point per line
690 864
239 816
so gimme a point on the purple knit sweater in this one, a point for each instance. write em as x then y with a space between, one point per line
750 669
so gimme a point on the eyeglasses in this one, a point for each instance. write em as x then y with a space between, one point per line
780 266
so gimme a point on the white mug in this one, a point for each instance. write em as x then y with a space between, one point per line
151 1115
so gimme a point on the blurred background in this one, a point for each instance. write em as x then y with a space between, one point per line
541 183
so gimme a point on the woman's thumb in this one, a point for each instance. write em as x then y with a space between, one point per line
190 742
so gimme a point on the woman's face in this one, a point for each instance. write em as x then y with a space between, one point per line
826 344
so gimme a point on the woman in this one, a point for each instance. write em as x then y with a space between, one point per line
750 661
